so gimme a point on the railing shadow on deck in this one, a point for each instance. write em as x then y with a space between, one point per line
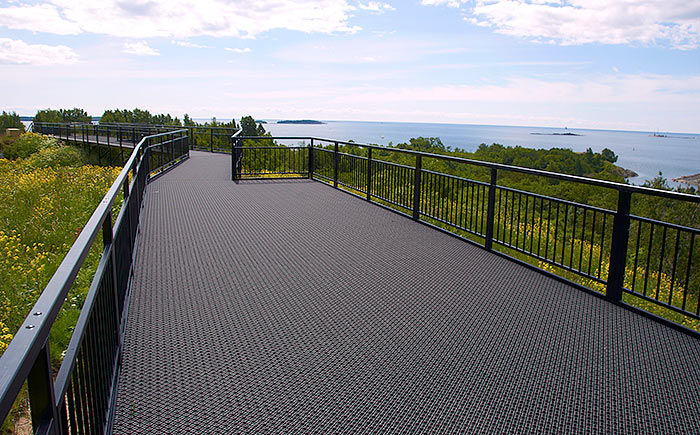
79 398
647 265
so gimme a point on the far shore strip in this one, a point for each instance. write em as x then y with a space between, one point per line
692 180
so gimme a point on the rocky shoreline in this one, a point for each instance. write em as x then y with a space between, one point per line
690 180
625 173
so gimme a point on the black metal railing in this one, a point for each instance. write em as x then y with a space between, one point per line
259 158
116 140
79 399
202 137
607 250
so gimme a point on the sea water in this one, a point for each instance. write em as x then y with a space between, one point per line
647 154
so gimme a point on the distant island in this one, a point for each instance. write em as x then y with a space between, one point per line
299 121
671 137
557 134
260 122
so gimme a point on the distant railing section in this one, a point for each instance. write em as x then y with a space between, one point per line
79 398
609 251
202 137
113 142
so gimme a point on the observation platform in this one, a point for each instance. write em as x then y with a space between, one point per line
287 306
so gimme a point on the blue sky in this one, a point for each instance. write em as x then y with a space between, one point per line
627 65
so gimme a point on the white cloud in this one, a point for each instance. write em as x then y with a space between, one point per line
576 22
37 18
179 18
16 51
187 44
238 50
377 7
450 3
140 48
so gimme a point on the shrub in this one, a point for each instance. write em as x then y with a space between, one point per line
56 156
26 145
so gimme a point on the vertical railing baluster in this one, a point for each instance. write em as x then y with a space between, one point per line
311 159
661 262
335 164
618 251
369 174
687 273
416 187
121 149
488 243
675 263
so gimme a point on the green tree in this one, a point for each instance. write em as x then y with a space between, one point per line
187 121
608 155
249 126
62 115
48 115
75 115
426 144
10 120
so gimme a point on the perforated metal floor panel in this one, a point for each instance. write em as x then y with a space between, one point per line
290 307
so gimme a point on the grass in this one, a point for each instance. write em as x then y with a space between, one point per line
48 193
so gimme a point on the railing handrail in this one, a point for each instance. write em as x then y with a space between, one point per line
16 361
135 125
538 172
167 126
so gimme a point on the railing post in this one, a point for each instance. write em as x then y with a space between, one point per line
416 187
618 248
490 211
147 161
233 159
235 152
211 139
42 396
335 165
369 174
311 160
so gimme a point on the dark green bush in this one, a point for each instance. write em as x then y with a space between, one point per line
26 145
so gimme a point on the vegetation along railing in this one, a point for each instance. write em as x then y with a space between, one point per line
79 398
649 265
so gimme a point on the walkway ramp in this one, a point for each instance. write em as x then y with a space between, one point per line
286 306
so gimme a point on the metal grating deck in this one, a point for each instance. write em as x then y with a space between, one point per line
290 307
